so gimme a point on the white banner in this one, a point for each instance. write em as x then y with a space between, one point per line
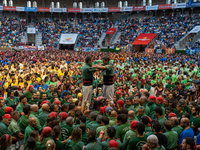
64 9
1 7
100 9
31 30
20 8
155 7
40 48
196 29
68 38
86 9
179 5
21 47
56 9
126 9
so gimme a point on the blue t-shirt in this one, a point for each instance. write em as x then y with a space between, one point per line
186 133
45 87
63 93
198 139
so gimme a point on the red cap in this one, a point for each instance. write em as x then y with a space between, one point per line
172 115
63 115
45 102
152 97
120 102
53 114
113 143
8 109
56 102
7 116
159 99
101 110
133 124
119 93
1 97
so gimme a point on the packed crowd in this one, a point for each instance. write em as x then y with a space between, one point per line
169 29
155 104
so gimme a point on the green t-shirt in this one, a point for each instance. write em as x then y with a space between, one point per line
172 139
42 117
178 129
170 86
20 108
27 132
4 129
10 102
59 145
13 128
195 121
161 120
137 143
23 123
128 137
121 131
72 145
66 132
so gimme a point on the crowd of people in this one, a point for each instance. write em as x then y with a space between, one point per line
155 103
170 29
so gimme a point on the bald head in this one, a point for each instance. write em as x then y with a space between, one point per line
45 107
34 108
185 122
31 120
174 120
131 114
113 113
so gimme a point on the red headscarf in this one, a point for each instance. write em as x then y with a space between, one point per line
63 115
53 114
30 87
46 131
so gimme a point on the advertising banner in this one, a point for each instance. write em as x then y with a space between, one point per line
9 8
76 10
86 10
144 39
155 7
31 30
1 7
114 9
55 9
100 10
30 48
178 5
43 9
68 38
64 9
149 50
139 8
20 8
167 6
194 4
196 29
40 48
169 51
123 9
111 31
31 9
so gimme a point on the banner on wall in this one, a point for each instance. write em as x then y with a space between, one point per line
30 48
169 51
126 9
40 48
149 50
114 9
75 10
31 9
9 8
20 8
144 39
195 4
139 8
86 10
111 31
196 29
43 9
68 38
178 5
64 9
155 7
55 9
167 6
100 9
1 7
31 30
